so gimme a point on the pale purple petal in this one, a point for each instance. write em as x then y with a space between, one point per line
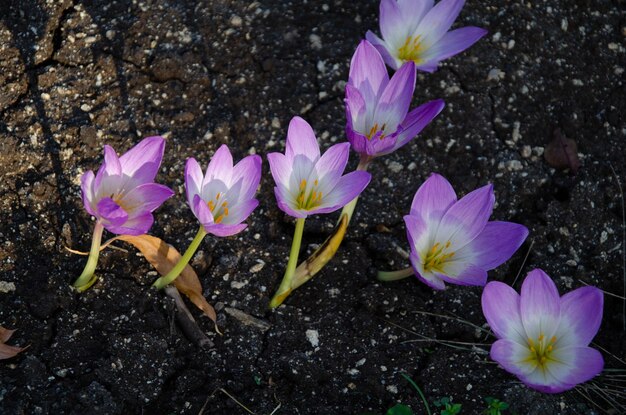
284 203
280 167
384 49
356 108
462 273
414 11
439 19
513 357
109 173
417 232
202 211
240 212
574 365
331 165
392 24
111 212
453 42
136 226
220 167
581 315
223 230
348 187
86 187
141 163
501 307
417 120
301 140
394 102
495 244
433 198
464 220
146 197
539 305
193 180
368 72
248 170
426 277
358 141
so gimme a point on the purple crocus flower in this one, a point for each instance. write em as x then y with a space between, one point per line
377 108
223 197
415 31
307 183
123 195
452 241
544 338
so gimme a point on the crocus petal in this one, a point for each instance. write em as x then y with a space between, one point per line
417 120
462 273
501 307
202 211
240 212
513 357
220 167
495 244
581 315
137 225
574 365
283 199
248 170
86 183
356 108
368 72
453 42
141 163
392 24
433 199
193 179
394 102
426 277
413 12
439 19
280 167
331 165
146 197
112 213
347 188
417 232
383 48
466 219
301 140
224 230
539 305
108 178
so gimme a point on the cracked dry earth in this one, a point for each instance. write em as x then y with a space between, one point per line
76 75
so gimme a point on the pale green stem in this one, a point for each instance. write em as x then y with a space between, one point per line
285 286
182 263
395 275
87 278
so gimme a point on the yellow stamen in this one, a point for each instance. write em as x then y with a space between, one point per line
412 49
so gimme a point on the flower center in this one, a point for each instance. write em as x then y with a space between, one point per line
374 130
437 255
308 198
219 208
541 350
412 49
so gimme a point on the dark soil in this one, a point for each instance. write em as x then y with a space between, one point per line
76 75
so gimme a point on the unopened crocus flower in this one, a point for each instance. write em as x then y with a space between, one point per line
221 199
377 108
308 183
452 240
122 196
415 31
544 338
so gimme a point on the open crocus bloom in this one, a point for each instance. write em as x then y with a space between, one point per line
377 108
223 197
415 31
544 338
123 195
307 183
452 241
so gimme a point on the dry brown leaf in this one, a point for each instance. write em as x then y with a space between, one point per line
562 152
163 258
6 351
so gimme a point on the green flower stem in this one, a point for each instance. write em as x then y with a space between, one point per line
285 286
182 263
87 278
395 275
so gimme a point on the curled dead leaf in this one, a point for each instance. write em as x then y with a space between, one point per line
6 351
163 258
